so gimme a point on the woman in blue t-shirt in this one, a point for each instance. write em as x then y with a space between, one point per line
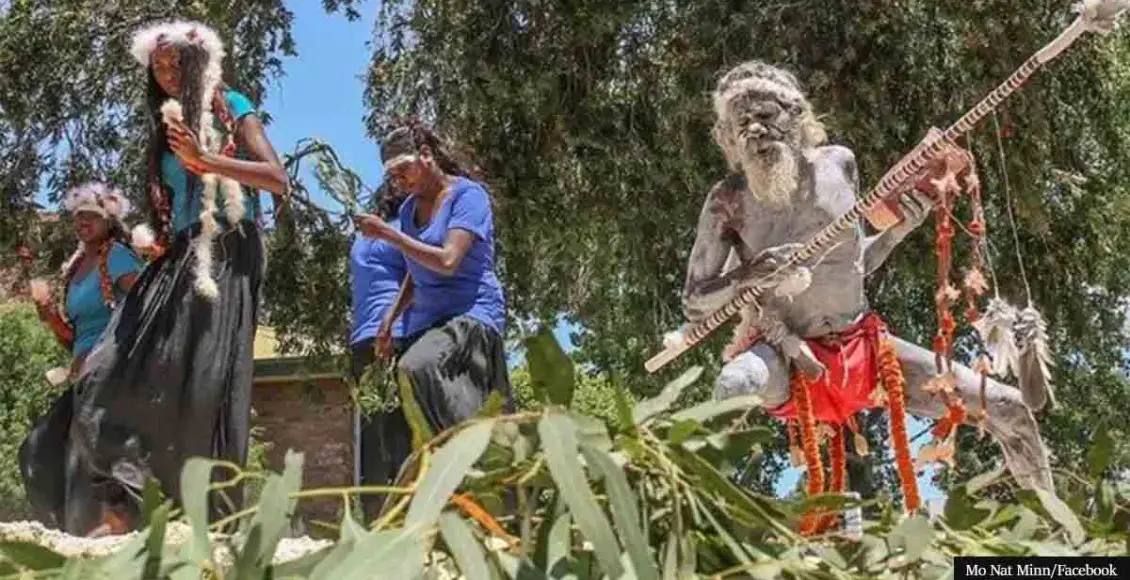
95 278
454 356
172 379
377 270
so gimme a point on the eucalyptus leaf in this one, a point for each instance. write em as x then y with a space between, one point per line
960 511
195 483
31 556
662 402
1062 514
710 410
464 548
446 471
270 522
1102 447
975 485
391 555
559 438
552 375
624 512
681 430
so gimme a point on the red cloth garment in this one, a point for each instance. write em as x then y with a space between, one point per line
851 360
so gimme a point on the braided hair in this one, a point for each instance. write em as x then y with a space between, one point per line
116 234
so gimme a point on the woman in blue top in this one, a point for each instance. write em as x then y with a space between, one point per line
377 270
95 278
171 378
454 353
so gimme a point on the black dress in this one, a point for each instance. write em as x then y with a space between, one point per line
170 379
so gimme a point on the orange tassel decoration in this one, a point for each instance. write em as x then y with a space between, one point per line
953 418
891 377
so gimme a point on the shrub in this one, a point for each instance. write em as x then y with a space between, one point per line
552 493
27 350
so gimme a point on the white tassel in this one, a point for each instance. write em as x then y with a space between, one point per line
202 245
673 339
58 375
172 111
40 291
995 326
233 201
1035 359
142 238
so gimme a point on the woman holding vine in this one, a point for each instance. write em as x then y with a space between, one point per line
453 354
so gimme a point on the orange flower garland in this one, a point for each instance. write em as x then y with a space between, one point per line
812 522
891 377
837 457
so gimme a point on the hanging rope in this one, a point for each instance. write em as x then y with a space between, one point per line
1008 206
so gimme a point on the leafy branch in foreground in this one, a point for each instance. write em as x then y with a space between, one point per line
549 493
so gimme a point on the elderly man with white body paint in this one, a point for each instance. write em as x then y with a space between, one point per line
785 185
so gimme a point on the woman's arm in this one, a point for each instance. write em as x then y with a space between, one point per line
59 327
384 333
403 299
443 260
265 172
126 282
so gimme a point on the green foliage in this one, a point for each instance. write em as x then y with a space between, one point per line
592 123
27 351
310 249
648 499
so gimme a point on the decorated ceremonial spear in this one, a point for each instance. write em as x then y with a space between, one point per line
1096 16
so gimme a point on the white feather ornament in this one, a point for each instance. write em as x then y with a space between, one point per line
171 111
1035 359
995 326
142 238
40 291
58 375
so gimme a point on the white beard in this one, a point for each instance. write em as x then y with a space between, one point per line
771 182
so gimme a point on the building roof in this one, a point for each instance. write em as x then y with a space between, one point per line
273 367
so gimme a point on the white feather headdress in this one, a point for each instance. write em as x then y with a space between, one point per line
177 33
104 200
183 33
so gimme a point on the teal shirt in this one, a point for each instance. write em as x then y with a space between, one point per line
86 307
186 208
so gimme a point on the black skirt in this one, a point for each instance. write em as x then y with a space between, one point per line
169 379
452 369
